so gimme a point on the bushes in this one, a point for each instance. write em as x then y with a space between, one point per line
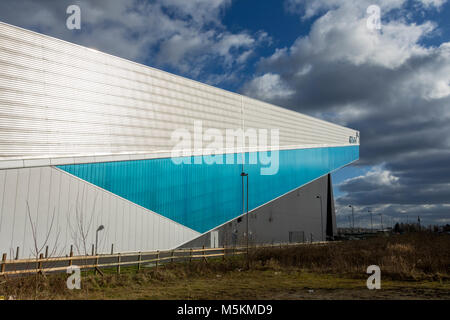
416 256
409 256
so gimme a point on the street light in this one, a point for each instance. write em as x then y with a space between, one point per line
243 174
321 215
371 222
100 228
353 218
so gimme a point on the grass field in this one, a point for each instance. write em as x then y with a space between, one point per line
413 266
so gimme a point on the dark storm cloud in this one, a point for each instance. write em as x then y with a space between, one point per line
385 84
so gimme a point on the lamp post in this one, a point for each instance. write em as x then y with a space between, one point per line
371 221
353 218
321 214
100 228
243 174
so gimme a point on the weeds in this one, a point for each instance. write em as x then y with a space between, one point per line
419 257
415 256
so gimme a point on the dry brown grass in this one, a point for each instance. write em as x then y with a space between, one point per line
337 270
412 256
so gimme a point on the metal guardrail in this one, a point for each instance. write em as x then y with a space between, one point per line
96 262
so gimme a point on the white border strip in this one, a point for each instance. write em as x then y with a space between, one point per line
17 163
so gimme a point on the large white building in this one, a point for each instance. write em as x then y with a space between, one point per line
86 139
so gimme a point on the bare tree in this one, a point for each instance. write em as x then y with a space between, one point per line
38 247
83 224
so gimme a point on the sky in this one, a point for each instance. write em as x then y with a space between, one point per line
316 57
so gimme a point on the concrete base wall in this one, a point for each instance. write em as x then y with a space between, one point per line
293 217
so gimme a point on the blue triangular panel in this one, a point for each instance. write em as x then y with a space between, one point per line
202 196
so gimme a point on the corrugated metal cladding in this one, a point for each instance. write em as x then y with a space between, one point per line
60 204
203 196
60 99
107 122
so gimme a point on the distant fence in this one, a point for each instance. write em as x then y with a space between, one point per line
13 267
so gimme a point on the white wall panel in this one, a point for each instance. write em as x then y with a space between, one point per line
295 128
20 227
55 215
77 205
156 223
8 210
119 244
59 99
2 194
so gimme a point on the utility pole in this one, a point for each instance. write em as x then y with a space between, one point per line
353 219
371 221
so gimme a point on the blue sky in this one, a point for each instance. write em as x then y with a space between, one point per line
315 57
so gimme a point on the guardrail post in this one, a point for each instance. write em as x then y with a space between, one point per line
157 260
112 248
17 253
204 258
93 250
96 265
223 253
3 262
139 263
46 251
71 255
118 263
41 256
171 259
190 255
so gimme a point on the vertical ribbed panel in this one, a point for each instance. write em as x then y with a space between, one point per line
60 203
202 196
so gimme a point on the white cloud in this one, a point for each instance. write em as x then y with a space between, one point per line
269 86
377 176
187 36
385 83
433 3
341 37
310 9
